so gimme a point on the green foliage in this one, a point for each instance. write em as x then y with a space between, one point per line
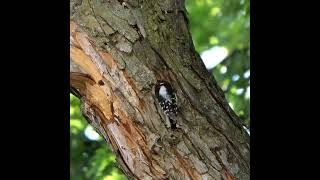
213 23
226 24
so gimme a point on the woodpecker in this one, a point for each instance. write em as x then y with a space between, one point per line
167 99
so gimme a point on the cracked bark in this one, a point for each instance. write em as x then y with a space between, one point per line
118 51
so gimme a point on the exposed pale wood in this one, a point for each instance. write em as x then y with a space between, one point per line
118 52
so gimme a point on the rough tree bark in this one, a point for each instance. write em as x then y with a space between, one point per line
118 51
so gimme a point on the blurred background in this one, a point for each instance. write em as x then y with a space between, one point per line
221 34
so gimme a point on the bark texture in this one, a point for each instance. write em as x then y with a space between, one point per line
118 51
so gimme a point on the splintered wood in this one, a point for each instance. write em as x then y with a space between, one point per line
117 96
99 66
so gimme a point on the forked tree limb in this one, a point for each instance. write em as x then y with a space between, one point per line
118 51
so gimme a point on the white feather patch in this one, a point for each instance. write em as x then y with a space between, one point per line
163 92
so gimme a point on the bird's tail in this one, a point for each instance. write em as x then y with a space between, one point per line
173 123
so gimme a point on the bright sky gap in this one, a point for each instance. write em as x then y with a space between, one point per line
214 56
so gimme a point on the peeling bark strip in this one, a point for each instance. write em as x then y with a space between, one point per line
118 51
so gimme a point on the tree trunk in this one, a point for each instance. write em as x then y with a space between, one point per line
118 51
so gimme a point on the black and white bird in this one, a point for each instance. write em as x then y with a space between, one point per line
167 98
